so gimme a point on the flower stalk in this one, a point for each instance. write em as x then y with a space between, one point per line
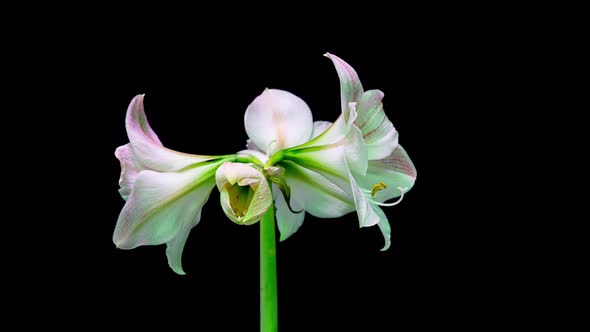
268 273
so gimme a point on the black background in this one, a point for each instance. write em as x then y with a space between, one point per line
331 274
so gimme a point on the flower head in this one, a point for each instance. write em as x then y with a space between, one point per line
327 169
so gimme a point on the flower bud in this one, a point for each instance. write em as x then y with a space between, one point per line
244 192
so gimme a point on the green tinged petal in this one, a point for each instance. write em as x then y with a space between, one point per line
319 127
331 156
366 215
383 226
378 132
163 207
276 175
395 171
175 246
355 152
315 193
287 221
350 84
326 153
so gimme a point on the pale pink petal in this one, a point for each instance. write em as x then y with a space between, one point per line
351 88
277 120
146 146
129 169
396 171
378 132
162 205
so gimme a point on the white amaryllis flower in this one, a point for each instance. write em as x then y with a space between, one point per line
325 169
335 168
390 172
164 189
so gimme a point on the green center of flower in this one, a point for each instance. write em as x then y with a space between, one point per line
239 199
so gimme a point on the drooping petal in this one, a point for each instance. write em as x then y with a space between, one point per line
287 221
315 193
319 127
383 226
395 171
245 195
175 246
147 150
278 119
366 214
161 205
350 85
378 132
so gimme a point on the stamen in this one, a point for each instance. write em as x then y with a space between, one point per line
403 190
378 187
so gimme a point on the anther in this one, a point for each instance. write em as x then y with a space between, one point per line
378 187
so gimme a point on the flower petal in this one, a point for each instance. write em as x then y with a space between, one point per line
383 226
319 127
331 167
396 170
356 152
331 134
316 194
130 167
326 152
350 85
278 119
161 205
147 148
378 132
287 221
367 217
233 173
175 246
333 155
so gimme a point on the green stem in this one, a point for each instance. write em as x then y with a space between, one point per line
268 273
